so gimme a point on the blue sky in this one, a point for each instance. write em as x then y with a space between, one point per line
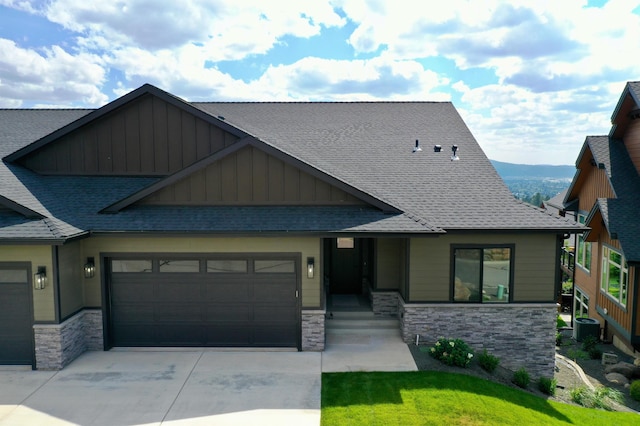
530 78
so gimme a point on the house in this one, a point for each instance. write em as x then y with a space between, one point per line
605 194
153 221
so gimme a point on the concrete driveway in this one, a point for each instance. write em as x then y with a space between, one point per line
168 388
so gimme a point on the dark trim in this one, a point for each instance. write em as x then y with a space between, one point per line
267 234
452 260
610 321
55 282
30 242
143 90
634 310
268 149
572 229
19 208
407 267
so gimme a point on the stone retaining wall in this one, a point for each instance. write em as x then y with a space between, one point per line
521 335
313 330
384 303
56 345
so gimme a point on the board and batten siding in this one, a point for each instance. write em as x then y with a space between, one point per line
308 247
250 177
148 136
632 142
534 265
43 300
596 185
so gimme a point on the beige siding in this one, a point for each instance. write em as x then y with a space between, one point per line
71 273
389 263
534 265
43 300
308 247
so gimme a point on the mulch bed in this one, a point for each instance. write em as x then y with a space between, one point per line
565 375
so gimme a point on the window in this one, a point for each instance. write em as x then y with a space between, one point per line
274 266
131 266
580 304
179 265
482 275
615 272
583 256
227 266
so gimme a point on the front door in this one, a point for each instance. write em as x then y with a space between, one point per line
348 264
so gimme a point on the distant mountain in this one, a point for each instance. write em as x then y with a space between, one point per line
534 183
523 171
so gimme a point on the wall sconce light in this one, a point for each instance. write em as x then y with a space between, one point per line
454 151
40 278
310 267
89 268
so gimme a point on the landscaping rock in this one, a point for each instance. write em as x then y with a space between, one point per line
636 362
617 378
627 369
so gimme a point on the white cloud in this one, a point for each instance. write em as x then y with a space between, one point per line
54 76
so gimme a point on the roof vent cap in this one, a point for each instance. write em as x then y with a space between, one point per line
417 147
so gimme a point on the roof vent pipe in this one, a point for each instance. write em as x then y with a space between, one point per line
437 148
417 147
454 151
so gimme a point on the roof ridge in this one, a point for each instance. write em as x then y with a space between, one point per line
320 102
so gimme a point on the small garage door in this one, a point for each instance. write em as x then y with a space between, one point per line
209 301
16 332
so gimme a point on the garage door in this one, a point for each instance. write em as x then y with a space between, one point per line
16 333
248 301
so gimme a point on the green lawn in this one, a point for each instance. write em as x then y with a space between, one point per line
438 398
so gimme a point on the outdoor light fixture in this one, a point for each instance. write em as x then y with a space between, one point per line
437 148
310 266
417 147
454 155
89 268
40 278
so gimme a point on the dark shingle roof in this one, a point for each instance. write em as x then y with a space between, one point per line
366 145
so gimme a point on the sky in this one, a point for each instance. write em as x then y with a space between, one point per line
531 78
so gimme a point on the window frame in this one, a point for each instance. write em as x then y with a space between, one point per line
581 300
584 250
605 279
482 247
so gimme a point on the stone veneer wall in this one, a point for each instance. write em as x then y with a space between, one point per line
384 303
313 330
59 344
521 335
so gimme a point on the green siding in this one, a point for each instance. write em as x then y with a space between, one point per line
534 265
71 273
389 263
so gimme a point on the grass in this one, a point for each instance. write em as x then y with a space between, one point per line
439 398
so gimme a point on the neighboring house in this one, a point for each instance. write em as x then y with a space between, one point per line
158 222
605 193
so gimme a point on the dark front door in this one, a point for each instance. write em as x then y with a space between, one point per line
346 266
16 333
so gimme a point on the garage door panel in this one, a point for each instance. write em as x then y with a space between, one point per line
133 312
274 313
227 334
274 335
178 292
180 334
223 292
216 313
131 291
166 312
16 321
135 334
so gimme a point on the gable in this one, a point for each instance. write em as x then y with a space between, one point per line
147 136
250 177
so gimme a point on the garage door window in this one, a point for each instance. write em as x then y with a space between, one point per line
130 266
181 266
13 276
274 266
227 266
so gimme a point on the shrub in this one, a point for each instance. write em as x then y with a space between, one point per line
558 338
560 322
547 385
452 352
576 354
595 353
601 397
589 345
488 362
634 390
521 378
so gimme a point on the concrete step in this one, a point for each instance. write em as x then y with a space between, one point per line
359 324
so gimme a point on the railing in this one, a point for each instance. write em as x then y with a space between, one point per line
568 258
